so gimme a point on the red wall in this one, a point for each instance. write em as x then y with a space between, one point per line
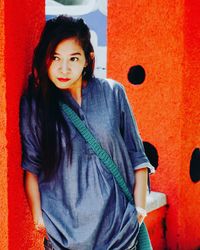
189 220
163 36
3 141
156 224
23 20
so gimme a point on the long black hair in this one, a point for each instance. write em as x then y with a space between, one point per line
45 93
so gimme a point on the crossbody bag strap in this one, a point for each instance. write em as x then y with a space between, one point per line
144 242
97 148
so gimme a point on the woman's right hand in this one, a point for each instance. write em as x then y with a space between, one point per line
33 196
39 225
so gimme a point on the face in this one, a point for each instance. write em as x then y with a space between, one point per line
66 66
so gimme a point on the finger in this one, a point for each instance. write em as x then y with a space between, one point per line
42 232
40 228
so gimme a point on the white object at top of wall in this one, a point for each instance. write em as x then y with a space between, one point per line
84 7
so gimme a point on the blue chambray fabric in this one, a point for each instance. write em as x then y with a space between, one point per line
83 207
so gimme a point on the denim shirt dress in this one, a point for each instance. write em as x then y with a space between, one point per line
83 207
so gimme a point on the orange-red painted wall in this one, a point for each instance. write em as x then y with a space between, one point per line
23 21
3 141
156 35
189 220
163 36
156 223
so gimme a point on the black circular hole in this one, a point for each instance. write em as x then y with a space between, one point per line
151 153
195 165
136 74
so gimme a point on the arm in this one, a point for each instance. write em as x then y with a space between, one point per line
33 197
135 148
30 133
140 192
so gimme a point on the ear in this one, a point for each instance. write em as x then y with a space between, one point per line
92 55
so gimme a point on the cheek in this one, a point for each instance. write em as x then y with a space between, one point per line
51 71
49 65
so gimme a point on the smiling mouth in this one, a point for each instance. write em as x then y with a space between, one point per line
63 79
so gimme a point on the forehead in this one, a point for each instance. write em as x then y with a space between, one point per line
69 45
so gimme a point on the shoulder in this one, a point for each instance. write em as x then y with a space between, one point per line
28 108
27 102
109 85
24 103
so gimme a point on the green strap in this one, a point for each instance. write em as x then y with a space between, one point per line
144 242
97 148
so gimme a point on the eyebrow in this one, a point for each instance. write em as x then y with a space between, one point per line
73 54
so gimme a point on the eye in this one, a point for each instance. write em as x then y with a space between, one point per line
74 59
55 58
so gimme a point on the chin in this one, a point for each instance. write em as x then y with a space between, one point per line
62 86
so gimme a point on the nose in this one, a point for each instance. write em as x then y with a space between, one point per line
64 67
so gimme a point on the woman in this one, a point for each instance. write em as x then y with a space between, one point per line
73 198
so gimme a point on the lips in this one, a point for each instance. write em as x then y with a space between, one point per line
63 79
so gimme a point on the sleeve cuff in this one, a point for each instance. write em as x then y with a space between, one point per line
31 168
146 165
139 160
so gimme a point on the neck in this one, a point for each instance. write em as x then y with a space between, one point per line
76 91
77 94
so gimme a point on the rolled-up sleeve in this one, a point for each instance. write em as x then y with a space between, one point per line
30 137
131 136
